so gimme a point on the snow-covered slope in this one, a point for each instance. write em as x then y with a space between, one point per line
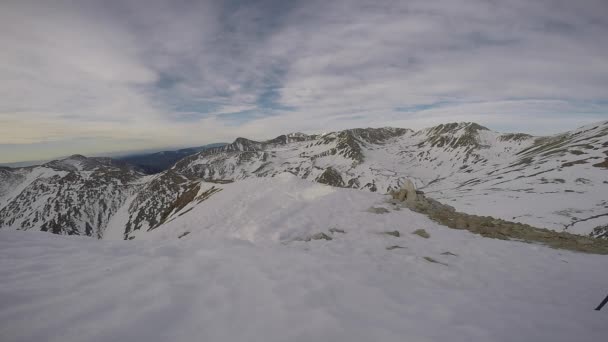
285 259
556 182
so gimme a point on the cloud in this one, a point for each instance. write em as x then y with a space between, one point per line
175 73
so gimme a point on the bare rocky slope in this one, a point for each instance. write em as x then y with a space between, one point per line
557 182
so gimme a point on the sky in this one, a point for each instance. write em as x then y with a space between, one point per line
92 77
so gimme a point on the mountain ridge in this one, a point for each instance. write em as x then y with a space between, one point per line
159 161
465 165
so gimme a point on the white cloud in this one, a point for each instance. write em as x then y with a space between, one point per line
131 71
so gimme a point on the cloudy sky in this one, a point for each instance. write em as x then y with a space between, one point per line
99 76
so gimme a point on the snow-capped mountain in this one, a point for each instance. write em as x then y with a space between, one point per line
557 182
74 196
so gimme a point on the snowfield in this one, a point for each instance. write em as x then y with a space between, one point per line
248 268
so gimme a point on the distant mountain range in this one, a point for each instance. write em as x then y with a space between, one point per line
159 161
149 161
558 182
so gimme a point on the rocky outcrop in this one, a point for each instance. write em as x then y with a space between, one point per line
406 193
422 233
600 232
331 177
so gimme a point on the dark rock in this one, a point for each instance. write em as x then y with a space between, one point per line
336 230
331 177
378 210
321 236
421 233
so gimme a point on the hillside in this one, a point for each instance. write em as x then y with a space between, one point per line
287 259
555 182
73 196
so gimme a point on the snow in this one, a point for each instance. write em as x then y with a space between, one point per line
243 274
552 185
30 175
117 223
492 180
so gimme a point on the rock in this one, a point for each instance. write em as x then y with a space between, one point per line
402 195
410 189
331 177
317 236
394 233
407 193
429 259
390 248
421 233
336 230
436 205
321 236
600 232
460 223
378 210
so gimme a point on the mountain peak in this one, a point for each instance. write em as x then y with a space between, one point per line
243 144
454 127
75 157
78 162
75 162
454 135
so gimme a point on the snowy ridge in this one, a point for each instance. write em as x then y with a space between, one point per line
555 182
